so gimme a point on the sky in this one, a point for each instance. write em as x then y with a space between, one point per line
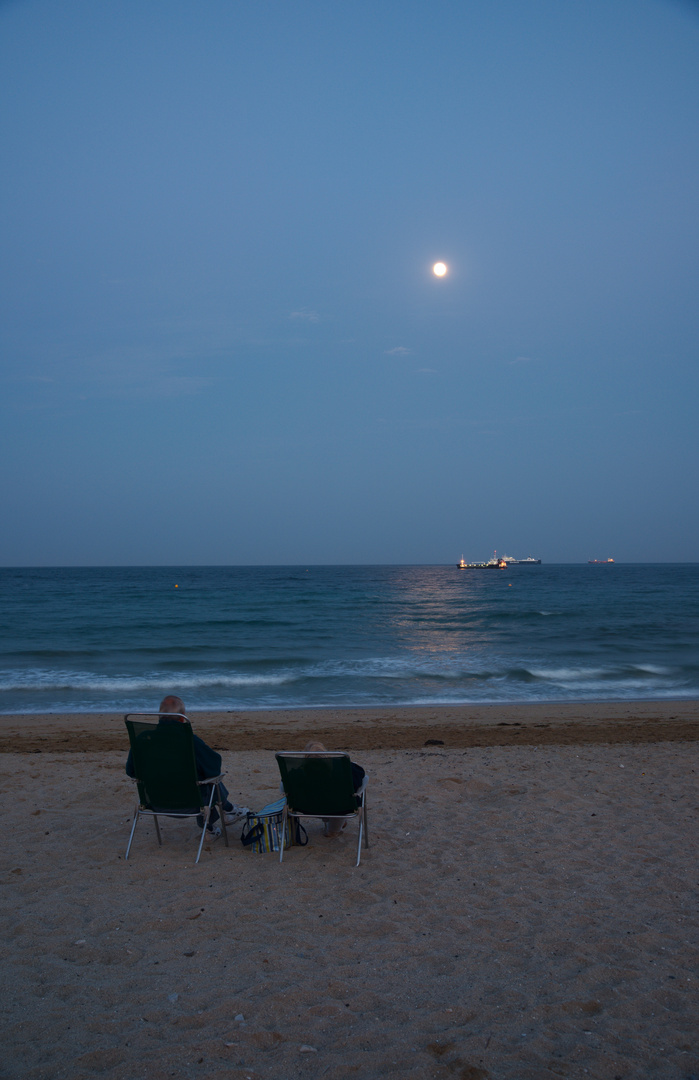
221 340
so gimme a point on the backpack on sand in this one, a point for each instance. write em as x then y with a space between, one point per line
262 832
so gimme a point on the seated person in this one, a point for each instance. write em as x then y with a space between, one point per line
334 826
208 764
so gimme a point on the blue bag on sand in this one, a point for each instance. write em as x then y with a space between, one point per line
262 831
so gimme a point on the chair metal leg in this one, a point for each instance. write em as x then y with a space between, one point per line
366 822
133 830
203 834
359 838
222 814
285 818
207 815
157 829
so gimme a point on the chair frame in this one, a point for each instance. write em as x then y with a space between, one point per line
214 781
360 794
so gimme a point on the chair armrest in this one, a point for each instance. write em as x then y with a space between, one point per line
211 779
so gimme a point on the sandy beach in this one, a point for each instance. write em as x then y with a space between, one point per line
527 907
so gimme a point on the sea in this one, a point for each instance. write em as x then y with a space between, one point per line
270 637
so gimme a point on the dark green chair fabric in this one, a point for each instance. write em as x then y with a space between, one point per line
319 784
165 766
166 776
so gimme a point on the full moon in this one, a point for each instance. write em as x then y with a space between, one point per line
439 269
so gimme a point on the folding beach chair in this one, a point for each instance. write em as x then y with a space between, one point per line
318 783
166 775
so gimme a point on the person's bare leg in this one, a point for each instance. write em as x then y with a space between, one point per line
334 826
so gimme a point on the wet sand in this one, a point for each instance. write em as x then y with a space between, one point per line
377 728
523 912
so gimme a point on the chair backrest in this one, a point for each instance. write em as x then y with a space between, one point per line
317 782
165 766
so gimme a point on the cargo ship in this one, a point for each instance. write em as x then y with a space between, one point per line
497 563
491 564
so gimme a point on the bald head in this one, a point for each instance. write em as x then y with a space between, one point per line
170 705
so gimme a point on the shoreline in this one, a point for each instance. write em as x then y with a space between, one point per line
382 727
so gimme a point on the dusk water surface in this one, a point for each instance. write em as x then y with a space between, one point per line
116 639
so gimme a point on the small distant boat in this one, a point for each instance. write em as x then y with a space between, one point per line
529 561
463 565
491 564
599 562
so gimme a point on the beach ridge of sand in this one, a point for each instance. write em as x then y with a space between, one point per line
409 727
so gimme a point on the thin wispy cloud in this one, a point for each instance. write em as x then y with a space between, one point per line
305 316
135 372
398 350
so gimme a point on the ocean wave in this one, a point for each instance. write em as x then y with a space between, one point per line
399 668
638 679
82 681
351 677
564 674
492 696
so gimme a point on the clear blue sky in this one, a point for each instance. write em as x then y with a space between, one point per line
221 338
